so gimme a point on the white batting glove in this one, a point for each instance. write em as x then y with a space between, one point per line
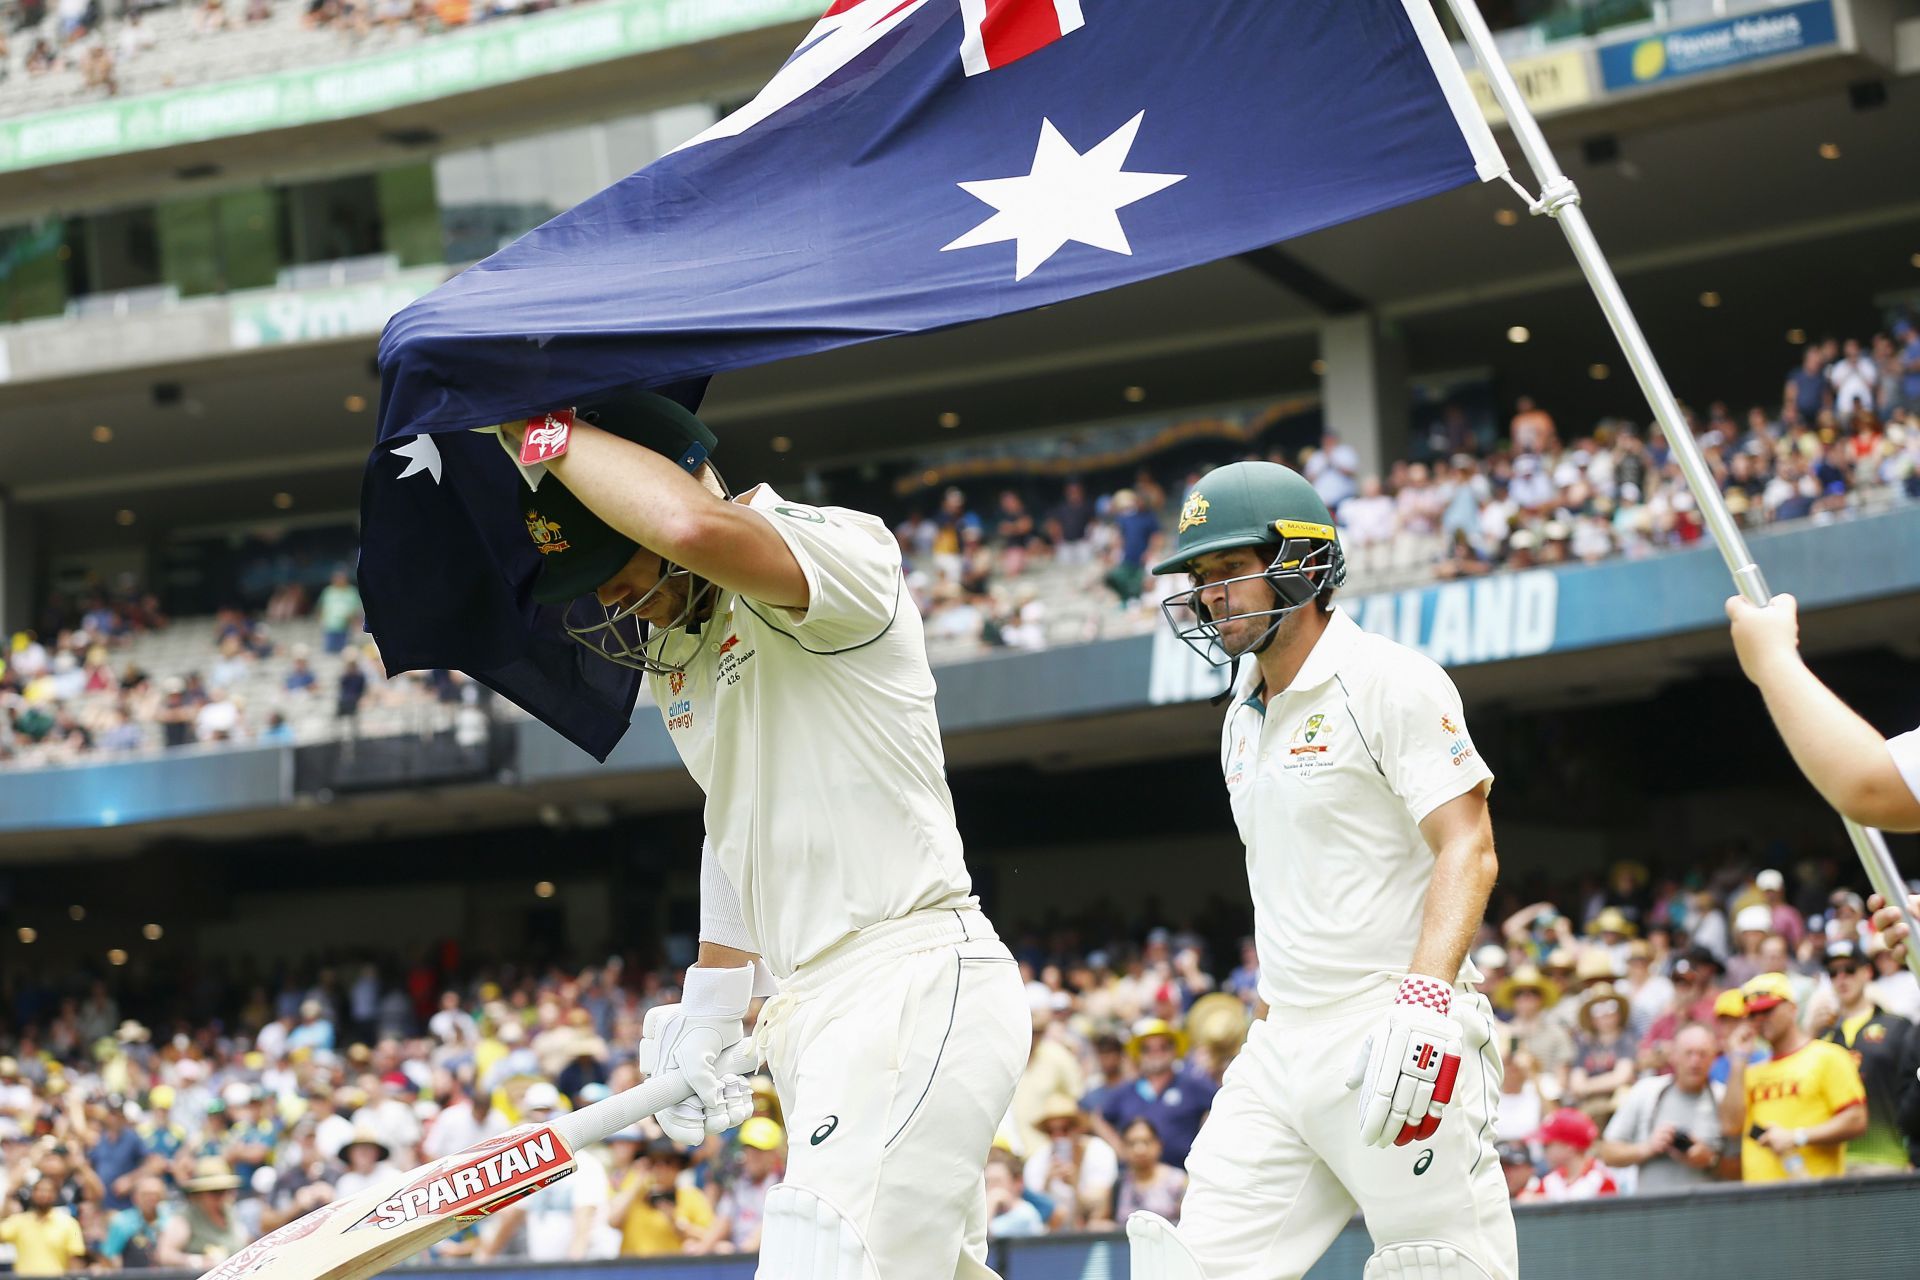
1407 1068
687 1038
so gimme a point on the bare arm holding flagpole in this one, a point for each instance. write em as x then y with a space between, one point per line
1560 200
1842 755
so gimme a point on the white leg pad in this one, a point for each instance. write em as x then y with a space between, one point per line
1155 1250
805 1238
1423 1260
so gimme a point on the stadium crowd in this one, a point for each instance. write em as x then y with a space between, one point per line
1656 1033
70 701
1847 430
1043 566
80 49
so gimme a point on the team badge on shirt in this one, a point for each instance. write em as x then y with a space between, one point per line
1308 749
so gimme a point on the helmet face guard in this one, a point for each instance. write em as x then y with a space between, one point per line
1301 568
621 636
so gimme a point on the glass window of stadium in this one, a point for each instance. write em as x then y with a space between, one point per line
484 193
33 275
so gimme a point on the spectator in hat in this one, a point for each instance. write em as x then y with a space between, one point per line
1075 1169
367 1159
208 1230
1527 996
1051 1069
1786 919
1516 1165
45 1235
1613 932
1886 1049
1146 1180
1491 960
1603 1052
655 1209
742 1209
1846 915
1169 1093
1751 928
1573 1173
1668 1127
1800 1108
1562 965
1729 1015
587 1063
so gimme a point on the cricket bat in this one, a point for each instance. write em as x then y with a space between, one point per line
363 1235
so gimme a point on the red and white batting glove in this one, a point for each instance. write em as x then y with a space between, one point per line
1407 1068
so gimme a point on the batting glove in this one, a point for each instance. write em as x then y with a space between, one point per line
687 1038
1407 1069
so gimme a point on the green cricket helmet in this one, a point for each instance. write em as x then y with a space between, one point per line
579 551
1252 504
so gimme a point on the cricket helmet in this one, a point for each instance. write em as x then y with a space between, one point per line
1253 504
579 551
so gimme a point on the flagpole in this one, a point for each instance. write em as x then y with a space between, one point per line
1560 200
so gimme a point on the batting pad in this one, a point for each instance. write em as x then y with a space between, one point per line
1423 1260
805 1238
1155 1250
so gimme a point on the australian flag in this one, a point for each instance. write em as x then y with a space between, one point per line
915 164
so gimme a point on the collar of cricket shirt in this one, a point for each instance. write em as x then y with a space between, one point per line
1329 651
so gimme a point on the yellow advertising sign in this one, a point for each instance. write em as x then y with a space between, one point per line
1553 82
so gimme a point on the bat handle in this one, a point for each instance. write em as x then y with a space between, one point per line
609 1116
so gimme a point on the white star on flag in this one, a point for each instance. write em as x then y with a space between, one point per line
422 454
1067 196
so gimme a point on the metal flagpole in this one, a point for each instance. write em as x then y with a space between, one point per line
1560 200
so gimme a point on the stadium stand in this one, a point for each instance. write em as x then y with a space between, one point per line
81 50
1035 567
177 1097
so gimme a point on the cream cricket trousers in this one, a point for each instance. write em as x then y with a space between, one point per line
1278 1168
895 1054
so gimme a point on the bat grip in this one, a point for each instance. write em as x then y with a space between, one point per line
609 1116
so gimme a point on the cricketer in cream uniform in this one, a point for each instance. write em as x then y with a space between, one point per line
1361 800
789 666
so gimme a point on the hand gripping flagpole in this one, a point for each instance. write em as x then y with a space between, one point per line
1560 200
